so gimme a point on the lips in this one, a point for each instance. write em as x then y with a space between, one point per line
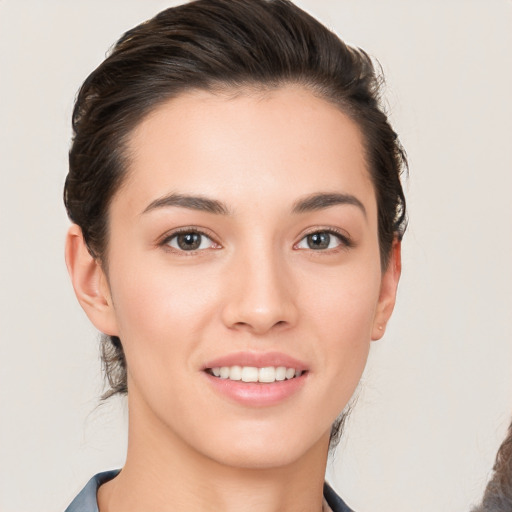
257 360
256 379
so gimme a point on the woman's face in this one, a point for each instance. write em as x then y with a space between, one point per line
245 237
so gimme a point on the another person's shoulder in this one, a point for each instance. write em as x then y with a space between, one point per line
86 500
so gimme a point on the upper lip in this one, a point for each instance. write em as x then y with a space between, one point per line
256 359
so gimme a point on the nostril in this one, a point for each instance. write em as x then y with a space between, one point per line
240 324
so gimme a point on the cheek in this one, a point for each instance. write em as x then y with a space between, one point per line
151 293
340 314
342 303
159 314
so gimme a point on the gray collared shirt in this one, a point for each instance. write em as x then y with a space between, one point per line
86 499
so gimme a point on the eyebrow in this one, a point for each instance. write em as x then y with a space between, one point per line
310 203
326 200
192 202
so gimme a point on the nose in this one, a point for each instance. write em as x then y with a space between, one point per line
260 296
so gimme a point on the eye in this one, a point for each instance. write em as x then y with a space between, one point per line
323 240
190 241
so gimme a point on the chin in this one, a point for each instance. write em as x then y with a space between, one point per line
272 451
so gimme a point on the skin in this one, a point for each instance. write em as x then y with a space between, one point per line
255 285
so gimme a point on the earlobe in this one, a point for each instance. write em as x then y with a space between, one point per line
89 282
388 289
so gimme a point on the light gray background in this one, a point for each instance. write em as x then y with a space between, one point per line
436 397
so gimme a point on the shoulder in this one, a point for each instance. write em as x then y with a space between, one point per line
334 501
86 498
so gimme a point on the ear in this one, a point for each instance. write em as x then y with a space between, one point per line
388 288
90 283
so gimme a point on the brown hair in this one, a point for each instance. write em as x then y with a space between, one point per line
498 493
212 45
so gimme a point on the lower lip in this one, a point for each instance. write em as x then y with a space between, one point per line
256 394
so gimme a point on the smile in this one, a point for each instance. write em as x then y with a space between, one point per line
267 374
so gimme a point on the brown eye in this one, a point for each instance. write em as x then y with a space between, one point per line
323 240
190 241
318 241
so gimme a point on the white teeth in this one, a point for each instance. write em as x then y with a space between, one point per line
267 374
281 373
235 373
249 374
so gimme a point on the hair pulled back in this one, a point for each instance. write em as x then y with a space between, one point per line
218 45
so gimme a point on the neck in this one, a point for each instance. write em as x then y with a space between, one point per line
162 470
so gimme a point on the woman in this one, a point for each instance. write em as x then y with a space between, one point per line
237 212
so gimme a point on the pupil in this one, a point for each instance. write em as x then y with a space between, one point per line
189 241
319 241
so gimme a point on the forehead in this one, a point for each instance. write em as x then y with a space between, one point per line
271 144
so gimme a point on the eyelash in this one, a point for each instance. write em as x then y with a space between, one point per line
165 242
344 241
